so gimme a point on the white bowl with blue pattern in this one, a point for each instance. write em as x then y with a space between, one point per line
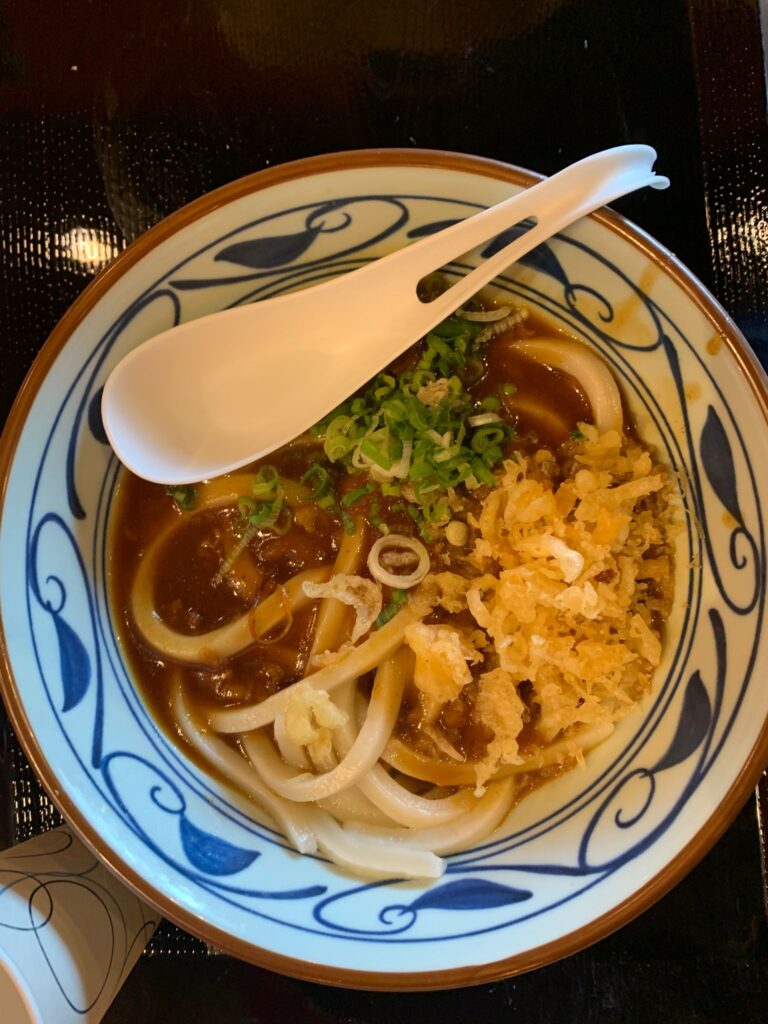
578 857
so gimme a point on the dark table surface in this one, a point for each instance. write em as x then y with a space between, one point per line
113 113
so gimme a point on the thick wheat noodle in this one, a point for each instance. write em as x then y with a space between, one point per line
332 614
369 856
382 713
291 818
589 369
352 806
355 663
305 824
226 490
419 766
332 623
460 834
398 803
223 642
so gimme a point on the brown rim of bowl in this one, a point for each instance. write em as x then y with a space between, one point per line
573 942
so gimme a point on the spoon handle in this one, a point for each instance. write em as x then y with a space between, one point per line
552 204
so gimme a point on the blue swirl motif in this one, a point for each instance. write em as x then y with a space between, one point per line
276 261
397 918
209 857
34 900
74 662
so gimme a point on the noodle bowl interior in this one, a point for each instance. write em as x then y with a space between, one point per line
389 631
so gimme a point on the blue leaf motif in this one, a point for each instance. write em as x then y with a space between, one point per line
266 253
74 663
95 422
695 719
469 894
543 259
212 855
509 236
717 458
431 229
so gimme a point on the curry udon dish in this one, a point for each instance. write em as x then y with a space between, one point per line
390 631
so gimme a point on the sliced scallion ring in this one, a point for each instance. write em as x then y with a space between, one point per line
398 542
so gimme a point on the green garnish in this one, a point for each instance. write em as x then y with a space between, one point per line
418 517
352 497
267 514
267 484
376 455
184 497
347 521
485 438
577 435
318 480
508 389
267 509
396 602
432 287
413 428
375 518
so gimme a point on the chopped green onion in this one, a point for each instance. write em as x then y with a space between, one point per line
387 384
508 389
328 501
347 521
396 602
316 478
427 447
418 518
577 435
352 497
492 455
267 483
484 437
481 471
483 418
266 514
184 497
246 506
376 520
432 287
371 452
340 437
437 513
447 453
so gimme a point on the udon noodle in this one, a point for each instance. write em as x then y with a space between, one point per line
390 631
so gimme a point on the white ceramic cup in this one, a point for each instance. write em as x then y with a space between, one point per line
70 932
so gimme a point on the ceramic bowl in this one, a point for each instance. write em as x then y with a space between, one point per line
583 854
